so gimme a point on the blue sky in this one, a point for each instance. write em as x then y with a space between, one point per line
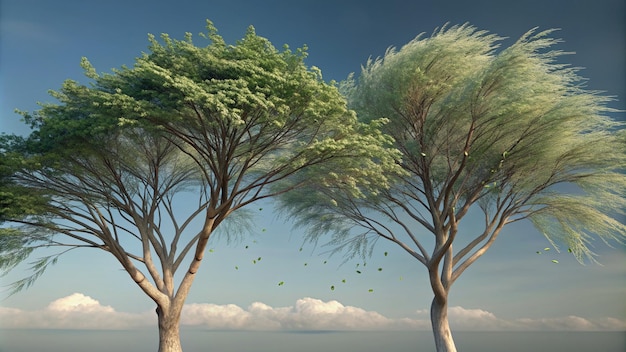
511 287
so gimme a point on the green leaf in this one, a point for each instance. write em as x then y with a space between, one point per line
179 123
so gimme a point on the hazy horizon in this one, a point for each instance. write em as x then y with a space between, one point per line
237 341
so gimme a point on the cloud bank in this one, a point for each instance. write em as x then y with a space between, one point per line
78 311
75 311
306 314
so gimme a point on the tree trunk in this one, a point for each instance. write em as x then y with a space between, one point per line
441 327
169 330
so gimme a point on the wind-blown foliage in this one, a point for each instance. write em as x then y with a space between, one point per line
17 202
147 162
512 132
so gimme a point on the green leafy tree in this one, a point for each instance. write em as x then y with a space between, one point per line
511 133
146 163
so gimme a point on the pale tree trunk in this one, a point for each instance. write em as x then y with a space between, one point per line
441 327
169 329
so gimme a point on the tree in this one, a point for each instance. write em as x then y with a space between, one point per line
146 163
511 133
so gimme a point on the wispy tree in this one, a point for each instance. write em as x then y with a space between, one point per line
509 132
146 163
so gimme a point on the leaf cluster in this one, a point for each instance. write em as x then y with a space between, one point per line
228 124
512 131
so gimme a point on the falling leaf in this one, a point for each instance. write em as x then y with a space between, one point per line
253 261
300 250
332 288
538 252
325 262
236 267
259 259
305 264
401 278
358 272
546 249
246 246
344 281
281 283
380 269
423 154
260 209
263 230
211 250
370 290
386 254
555 261
569 250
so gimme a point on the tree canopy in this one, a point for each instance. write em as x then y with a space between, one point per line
509 132
147 161
512 131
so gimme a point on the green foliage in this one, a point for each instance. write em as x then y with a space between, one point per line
511 131
226 124
15 245
16 201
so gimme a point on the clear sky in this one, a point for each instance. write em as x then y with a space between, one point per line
511 287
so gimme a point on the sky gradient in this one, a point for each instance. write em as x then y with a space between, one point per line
511 287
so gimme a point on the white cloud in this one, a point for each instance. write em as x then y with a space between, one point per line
78 302
75 311
78 311
570 323
477 319
215 316
306 314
